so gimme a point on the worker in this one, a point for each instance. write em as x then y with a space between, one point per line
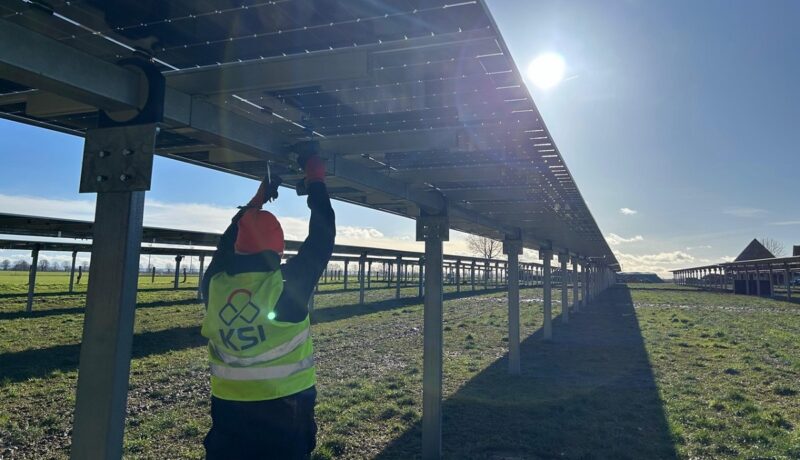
257 324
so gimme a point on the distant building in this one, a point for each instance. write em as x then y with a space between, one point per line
796 251
755 251
638 277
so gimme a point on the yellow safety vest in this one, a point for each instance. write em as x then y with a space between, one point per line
254 357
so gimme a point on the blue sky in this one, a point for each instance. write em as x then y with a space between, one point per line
682 111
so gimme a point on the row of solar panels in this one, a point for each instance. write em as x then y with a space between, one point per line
415 104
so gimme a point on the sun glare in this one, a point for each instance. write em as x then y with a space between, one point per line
547 70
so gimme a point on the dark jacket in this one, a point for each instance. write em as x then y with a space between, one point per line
300 273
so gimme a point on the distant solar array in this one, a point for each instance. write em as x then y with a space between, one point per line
415 103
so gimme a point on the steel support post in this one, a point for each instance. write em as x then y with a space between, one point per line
117 165
472 275
563 258
771 282
593 282
458 276
546 255
788 281
72 272
585 284
513 248
598 281
369 275
432 230
200 276
362 269
421 281
178 259
575 301
346 263
32 278
399 271
108 326
747 281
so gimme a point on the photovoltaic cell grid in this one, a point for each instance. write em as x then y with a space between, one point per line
422 92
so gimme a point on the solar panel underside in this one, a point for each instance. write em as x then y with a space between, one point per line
423 92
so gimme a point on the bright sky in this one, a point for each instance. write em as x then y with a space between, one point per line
677 120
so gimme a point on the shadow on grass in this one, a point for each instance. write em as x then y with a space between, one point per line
23 365
37 363
6 315
589 393
665 289
346 310
339 312
24 295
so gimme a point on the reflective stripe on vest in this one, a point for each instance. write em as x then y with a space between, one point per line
253 355
261 373
267 356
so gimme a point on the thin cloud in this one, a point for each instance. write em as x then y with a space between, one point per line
628 211
203 218
660 263
692 248
748 213
615 240
786 222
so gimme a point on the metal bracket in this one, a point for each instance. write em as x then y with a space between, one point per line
118 159
152 109
433 226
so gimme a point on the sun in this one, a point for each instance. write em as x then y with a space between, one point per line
547 70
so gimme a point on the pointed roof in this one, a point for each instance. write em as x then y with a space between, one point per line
754 251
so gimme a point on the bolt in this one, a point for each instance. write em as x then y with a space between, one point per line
124 177
103 153
101 178
127 152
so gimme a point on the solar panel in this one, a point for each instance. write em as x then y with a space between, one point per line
410 101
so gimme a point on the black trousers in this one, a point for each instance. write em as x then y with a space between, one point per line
277 429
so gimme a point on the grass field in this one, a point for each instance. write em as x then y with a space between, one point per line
647 372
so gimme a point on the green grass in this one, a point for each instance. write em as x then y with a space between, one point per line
646 373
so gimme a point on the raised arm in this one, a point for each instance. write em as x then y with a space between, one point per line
316 250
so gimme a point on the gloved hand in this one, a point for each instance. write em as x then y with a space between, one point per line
315 169
267 191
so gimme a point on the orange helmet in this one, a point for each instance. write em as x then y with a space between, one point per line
259 231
